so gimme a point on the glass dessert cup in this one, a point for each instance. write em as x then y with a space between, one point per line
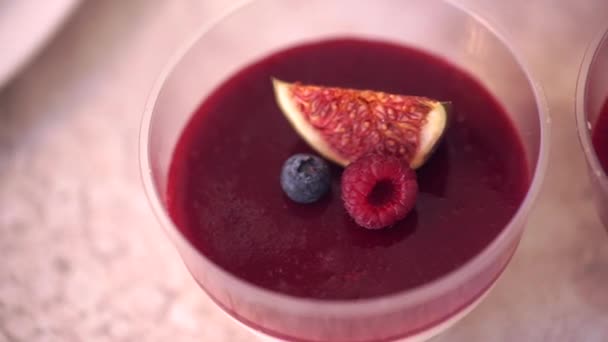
591 96
435 26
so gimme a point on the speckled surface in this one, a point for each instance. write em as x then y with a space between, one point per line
82 258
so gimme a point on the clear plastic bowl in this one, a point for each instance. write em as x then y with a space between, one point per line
261 27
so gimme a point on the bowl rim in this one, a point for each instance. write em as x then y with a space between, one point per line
368 306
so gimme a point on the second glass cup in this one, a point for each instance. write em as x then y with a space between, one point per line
262 27
592 118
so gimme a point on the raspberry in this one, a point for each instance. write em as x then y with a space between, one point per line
378 190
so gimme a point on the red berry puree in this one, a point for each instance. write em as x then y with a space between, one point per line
224 193
600 137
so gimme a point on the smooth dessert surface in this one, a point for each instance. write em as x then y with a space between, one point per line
600 137
225 197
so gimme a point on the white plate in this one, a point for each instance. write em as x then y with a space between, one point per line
25 27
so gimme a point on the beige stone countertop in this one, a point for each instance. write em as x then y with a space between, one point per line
82 257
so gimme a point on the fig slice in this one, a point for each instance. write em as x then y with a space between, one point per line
343 124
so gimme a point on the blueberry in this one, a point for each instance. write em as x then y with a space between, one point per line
305 178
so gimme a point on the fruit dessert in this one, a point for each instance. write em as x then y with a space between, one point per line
600 137
346 169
